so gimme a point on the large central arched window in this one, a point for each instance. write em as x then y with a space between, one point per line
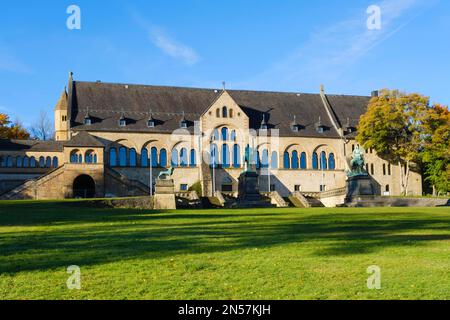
225 156
224 133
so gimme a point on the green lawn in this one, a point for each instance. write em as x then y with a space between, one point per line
222 254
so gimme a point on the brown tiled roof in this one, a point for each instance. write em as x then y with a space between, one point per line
106 103
31 145
83 139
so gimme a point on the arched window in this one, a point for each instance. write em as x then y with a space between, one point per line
144 157
113 157
231 113
154 155
75 157
233 135
193 158
55 162
323 160
163 158
331 161
33 162
303 161
286 160
133 157
9 162
215 135
184 157
174 158
89 156
218 113
41 162
48 162
2 161
224 132
225 156
26 162
224 112
19 162
236 156
294 160
265 159
315 161
214 155
274 160
122 156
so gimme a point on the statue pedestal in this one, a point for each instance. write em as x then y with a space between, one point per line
360 187
248 187
164 198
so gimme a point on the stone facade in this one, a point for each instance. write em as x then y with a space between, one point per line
117 159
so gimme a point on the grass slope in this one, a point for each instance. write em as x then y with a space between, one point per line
226 254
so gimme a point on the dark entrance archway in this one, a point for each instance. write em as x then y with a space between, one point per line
84 187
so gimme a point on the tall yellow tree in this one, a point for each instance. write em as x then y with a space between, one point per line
392 126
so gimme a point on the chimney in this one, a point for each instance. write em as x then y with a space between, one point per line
375 94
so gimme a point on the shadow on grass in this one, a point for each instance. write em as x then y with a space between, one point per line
115 235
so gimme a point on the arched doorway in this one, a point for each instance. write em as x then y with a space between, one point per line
84 187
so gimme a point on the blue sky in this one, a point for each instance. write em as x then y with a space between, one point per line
264 45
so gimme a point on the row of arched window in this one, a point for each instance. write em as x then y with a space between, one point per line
128 157
224 135
296 160
231 157
224 112
28 162
89 157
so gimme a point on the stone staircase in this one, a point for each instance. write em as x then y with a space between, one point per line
28 189
300 200
276 199
134 187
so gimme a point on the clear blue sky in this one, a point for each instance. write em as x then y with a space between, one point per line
265 45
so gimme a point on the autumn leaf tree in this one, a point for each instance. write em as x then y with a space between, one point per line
436 149
392 126
11 130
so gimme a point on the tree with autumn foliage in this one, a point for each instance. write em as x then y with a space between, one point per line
11 130
436 148
392 126
405 129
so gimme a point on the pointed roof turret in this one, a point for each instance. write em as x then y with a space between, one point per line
62 103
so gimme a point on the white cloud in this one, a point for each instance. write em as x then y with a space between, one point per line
330 51
167 44
173 48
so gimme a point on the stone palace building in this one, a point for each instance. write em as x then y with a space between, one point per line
112 140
